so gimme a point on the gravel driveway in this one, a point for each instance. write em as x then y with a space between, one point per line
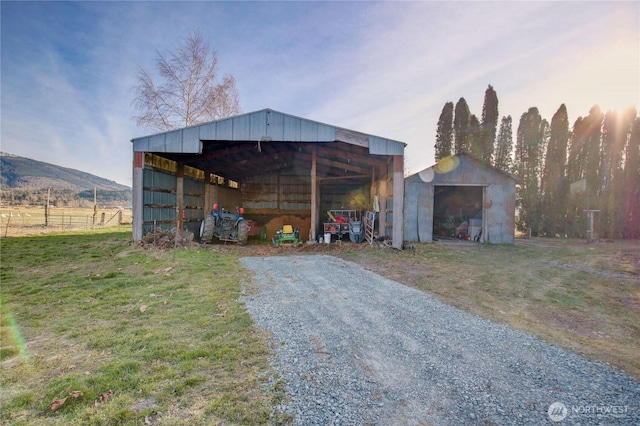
355 348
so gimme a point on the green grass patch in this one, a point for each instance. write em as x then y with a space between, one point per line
161 334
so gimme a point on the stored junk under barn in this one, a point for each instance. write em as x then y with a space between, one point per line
278 167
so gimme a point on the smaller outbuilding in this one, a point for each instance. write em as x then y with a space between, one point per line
460 197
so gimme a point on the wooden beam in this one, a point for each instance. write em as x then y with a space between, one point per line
179 195
343 177
137 195
398 202
315 204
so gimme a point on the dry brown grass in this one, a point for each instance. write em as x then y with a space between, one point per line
585 298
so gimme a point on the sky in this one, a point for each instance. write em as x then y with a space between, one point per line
383 68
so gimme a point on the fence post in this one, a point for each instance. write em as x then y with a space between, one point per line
102 219
46 208
6 230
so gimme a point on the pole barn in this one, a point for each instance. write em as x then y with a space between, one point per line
274 165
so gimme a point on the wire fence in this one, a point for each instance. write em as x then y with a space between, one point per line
23 221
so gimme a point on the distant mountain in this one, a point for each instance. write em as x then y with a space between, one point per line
24 173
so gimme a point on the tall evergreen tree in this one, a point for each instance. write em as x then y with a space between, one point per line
489 123
444 135
631 205
584 163
616 130
593 141
576 172
461 123
530 144
504 145
554 187
475 138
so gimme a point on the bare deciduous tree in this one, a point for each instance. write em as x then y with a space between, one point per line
191 92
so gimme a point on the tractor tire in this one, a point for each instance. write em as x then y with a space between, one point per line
243 232
206 229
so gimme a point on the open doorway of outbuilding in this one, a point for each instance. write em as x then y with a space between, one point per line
457 212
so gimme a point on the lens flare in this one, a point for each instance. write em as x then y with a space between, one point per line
447 164
17 338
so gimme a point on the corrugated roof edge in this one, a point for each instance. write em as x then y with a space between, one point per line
278 112
478 163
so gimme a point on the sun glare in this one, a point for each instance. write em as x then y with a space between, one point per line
611 79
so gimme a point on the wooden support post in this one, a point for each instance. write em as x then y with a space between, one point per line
180 196
383 194
398 201
137 195
315 205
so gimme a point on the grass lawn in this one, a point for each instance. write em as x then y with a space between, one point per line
133 336
128 336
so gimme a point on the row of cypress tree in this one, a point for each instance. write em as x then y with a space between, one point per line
600 155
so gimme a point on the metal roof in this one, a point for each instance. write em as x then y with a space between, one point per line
462 169
265 125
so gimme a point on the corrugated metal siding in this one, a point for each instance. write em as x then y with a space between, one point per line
499 200
381 146
467 172
425 213
193 201
255 126
157 179
411 211
159 201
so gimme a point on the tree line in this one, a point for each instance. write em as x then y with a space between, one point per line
599 155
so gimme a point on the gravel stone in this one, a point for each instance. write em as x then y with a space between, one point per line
354 348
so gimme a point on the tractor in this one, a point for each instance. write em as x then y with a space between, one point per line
224 225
